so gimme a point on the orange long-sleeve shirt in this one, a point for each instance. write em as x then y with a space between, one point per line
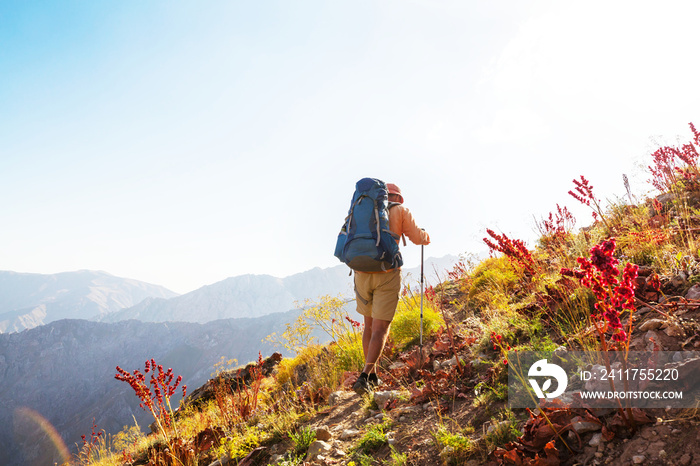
401 222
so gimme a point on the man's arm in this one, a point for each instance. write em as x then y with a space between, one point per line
410 229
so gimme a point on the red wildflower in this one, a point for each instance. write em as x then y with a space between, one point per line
614 290
515 250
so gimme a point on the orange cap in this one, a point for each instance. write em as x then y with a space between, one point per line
393 189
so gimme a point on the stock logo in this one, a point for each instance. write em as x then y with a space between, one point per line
543 369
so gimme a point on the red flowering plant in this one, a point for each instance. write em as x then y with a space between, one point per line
583 192
514 249
674 165
154 395
555 229
613 290
89 451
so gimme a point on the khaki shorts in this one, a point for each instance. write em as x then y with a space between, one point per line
378 294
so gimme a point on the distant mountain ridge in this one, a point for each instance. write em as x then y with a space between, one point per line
258 295
28 300
31 300
241 296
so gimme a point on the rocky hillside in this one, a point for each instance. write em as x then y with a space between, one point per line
29 300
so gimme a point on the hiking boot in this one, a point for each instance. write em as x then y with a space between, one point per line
361 386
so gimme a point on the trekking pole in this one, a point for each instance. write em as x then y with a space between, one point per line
421 300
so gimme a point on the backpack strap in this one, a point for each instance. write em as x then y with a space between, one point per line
394 204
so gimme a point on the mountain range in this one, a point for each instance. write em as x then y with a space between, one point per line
30 300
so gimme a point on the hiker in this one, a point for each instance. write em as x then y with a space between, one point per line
378 292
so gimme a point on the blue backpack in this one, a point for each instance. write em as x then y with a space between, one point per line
365 242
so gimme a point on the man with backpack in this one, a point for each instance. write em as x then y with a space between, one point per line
377 276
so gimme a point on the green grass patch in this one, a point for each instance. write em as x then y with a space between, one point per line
405 328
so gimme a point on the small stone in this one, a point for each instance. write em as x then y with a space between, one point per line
349 433
581 426
317 449
380 416
638 459
651 324
323 433
598 454
596 440
676 431
402 418
340 453
663 454
685 460
674 330
693 292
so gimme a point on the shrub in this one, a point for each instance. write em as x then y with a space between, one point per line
302 440
493 283
350 356
286 367
503 431
374 438
455 448
405 328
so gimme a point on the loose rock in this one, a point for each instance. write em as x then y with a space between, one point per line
596 440
581 426
323 433
318 448
651 324
349 433
384 398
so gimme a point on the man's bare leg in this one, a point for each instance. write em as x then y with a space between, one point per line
373 341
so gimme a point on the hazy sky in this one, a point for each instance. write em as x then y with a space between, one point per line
181 143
